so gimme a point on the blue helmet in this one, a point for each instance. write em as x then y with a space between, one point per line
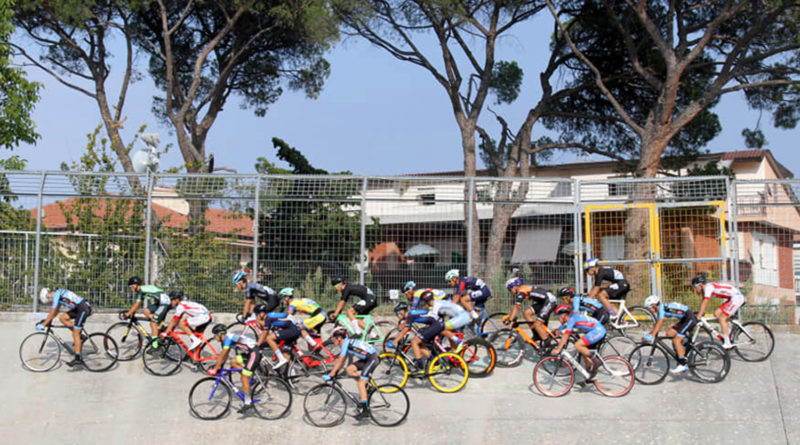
409 286
240 275
513 282
591 262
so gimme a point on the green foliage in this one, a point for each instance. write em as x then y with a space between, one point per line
506 81
754 138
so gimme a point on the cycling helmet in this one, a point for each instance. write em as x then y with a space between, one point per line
44 294
260 308
698 279
286 292
134 280
566 291
451 274
401 306
176 295
651 300
219 328
336 280
591 262
339 333
564 309
409 286
238 276
513 282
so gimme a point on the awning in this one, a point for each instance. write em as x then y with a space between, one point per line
421 250
536 245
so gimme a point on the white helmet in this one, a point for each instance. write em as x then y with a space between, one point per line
43 294
451 274
651 300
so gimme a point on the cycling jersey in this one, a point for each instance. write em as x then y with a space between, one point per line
356 348
672 310
593 330
436 293
66 298
618 287
734 297
151 296
279 320
534 294
256 290
357 290
585 304
459 317
190 308
316 316
477 290
241 341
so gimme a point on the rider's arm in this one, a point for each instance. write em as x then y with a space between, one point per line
222 357
50 316
514 311
561 342
133 309
702 310
337 366
339 307
656 327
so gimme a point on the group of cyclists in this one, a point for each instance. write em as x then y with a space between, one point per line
430 312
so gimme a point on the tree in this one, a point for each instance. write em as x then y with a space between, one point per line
17 94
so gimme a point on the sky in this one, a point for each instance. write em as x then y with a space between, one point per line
375 116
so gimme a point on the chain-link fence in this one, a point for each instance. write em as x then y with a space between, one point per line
89 232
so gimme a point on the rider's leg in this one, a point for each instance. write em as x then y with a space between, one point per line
76 332
602 296
530 317
722 317
272 341
358 324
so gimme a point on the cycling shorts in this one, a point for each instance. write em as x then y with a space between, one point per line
618 290
430 332
314 323
459 321
80 313
251 360
364 307
367 365
543 309
732 305
159 311
288 334
601 315
595 336
480 296
685 325
198 323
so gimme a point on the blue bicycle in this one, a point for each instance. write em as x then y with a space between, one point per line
210 398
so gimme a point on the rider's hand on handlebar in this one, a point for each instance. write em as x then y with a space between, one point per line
506 319
123 315
647 338
39 327
212 371
326 377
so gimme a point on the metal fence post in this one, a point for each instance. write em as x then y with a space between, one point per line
363 241
577 238
148 226
734 228
471 203
255 226
38 248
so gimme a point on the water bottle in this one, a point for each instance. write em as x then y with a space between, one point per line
571 360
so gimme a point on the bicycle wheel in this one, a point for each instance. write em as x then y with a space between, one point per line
620 346
480 356
272 397
709 362
209 398
99 352
509 348
165 359
643 317
129 340
303 374
448 372
650 364
754 341
388 408
392 370
206 357
553 376
493 323
615 377
39 352
325 405
376 332
390 336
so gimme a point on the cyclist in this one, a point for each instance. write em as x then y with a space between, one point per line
361 369
251 291
366 303
197 318
278 326
243 345
590 306
593 333
677 332
413 294
154 303
609 284
542 304
78 311
315 319
734 300
458 317
423 316
470 291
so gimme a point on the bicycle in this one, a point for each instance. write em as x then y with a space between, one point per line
41 351
210 397
166 358
752 340
554 376
325 405
708 362
638 319
252 329
130 335
372 332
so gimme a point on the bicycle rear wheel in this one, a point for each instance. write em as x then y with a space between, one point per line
165 359
272 397
448 372
615 377
650 364
480 356
619 345
303 374
391 371
325 405
709 362
129 340
389 406
209 398
99 352
493 323
376 333
39 352
643 317
509 348
755 343
553 376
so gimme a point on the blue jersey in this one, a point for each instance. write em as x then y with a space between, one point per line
581 304
466 284
239 340
580 323
66 298
356 348
279 320
672 310
419 316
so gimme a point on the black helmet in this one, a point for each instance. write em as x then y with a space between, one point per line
698 279
401 306
260 308
219 328
176 295
134 280
566 291
336 280
339 333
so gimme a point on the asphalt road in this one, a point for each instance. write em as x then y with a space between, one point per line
757 403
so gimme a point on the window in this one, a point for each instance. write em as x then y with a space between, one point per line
620 189
561 190
428 199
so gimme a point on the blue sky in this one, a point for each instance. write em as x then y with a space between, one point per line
375 116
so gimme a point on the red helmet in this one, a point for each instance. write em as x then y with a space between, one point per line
564 309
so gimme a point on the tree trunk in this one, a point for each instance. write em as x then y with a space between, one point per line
473 230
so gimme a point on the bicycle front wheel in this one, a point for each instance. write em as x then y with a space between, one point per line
480 356
391 371
165 359
492 323
620 346
754 342
553 376
272 397
129 340
650 364
325 405
448 372
509 348
709 362
305 372
389 406
615 377
39 352
99 352
209 398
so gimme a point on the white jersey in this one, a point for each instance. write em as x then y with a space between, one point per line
720 290
191 309
443 308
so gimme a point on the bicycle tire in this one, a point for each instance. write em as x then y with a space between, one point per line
39 352
378 328
330 346
650 364
509 348
129 340
448 372
99 352
165 359
621 346
272 397
493 323
301 376
480 356
325 405
615 377
391 335
709 363
388 408
643 317
209 399
759 341
392 370
553 376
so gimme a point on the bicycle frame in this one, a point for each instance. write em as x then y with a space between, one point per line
344 321
622 312
704 324
194 354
